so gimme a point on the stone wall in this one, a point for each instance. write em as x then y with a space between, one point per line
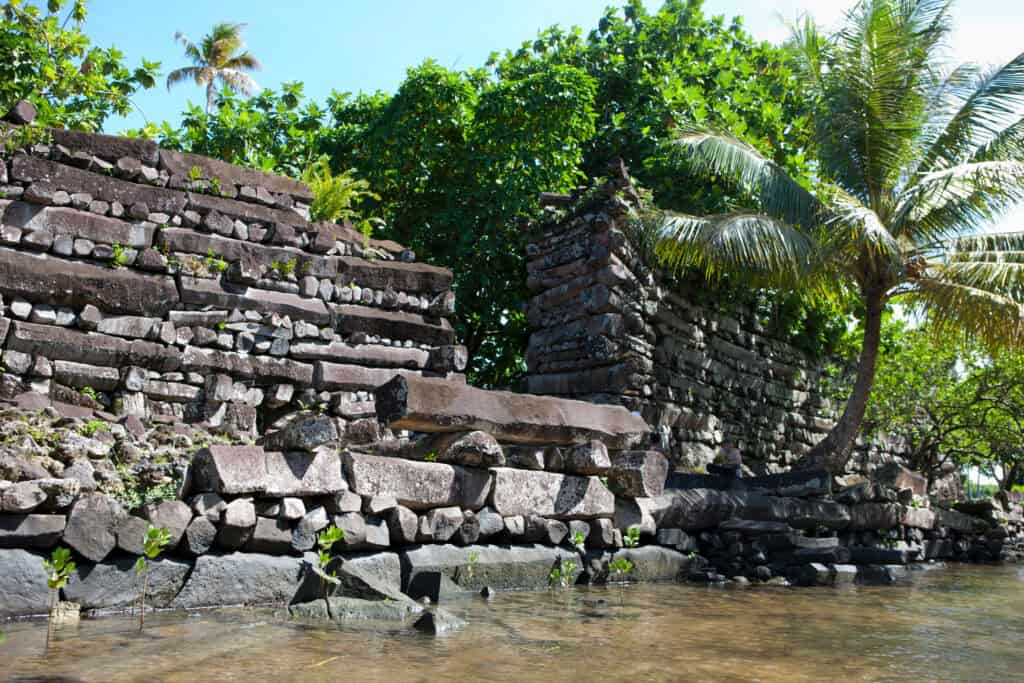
607 327
167 284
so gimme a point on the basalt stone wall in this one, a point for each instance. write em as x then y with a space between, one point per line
149 282
607 327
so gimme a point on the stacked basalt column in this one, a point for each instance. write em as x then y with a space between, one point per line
148 282
608 326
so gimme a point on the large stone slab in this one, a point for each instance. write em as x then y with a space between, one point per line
655 563
263 369
351 319
346 377
207 292
105 188
558 496
249 470
23 589
240 579
398 275
696 509
110 148
40 278
115 584
362 354
63 220
31 531
875 516
189 241
522 567
417 485
181 164
92 526
895 476
799 513
638 474
433 405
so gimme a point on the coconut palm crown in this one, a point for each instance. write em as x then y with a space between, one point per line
914 162
219 57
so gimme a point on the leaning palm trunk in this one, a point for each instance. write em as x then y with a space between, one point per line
835 449
913 168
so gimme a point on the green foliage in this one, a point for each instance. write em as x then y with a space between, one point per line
194 173
46 58
578 540
120 255
93 426
334 194
431 456
909 164
561 576
632 537
133 494
214 263
471 562
90 393
325 541
58 568
154 543
620 567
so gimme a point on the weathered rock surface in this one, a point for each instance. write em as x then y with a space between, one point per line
240 579
417 485
470 449
432 405
638 474
92 526
23 589
115 584
234 470
560 496
502 567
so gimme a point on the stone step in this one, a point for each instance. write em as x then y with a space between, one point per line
182 163
54 281
352 319
400 276
105 188
207 292
192 242
431 405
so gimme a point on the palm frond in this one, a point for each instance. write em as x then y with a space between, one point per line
944 204
191 50
854 228
243 62
989 102
751 247
987 243
951 307
238 81
186 73
721 154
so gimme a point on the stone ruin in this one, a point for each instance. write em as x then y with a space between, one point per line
163 309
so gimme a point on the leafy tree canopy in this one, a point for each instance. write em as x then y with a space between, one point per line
47 59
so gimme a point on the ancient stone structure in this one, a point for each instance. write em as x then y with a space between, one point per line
609 328
163 283
163 310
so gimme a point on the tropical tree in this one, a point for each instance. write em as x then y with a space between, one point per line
912 159
219 57
47 59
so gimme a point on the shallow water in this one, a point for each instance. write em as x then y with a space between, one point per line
963 623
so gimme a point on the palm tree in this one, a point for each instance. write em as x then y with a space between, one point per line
219 56
912 159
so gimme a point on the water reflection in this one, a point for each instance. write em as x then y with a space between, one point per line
958 624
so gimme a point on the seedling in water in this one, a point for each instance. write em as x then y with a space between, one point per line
156 539
578 540
561 576
632 538
474 557
325 540
58 571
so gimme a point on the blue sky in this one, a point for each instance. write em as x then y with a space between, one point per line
367 46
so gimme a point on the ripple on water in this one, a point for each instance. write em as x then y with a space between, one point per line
960 624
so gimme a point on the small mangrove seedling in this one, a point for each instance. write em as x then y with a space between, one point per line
620 567
214 263
194 173
90 393
120 255
561 576
472 560
91 427
578 540
431 456
215 186
325 541
58 571
156 539
632 537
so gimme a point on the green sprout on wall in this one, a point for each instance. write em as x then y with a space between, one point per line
194 173
214 263
91 427
431 456
578 540
156 539
561 576
89 392
120 255
325 541
632 537
215 186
